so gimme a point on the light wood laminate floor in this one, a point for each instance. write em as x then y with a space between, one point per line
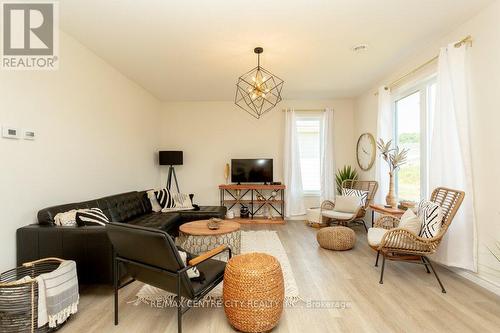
410 300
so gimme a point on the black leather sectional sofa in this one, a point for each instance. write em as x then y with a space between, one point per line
89 246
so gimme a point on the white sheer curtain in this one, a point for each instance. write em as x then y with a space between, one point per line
327 161
450 158
385 131
294 196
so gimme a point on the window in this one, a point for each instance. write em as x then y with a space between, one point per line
308 130
412 110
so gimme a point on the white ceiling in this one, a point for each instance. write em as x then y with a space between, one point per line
188 50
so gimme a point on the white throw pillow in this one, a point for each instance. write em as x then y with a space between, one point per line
193 272
155 206
66 219
431 218
410 222
347 204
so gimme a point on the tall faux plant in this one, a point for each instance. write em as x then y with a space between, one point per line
346 173
395 158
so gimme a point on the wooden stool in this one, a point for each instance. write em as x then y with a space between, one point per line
253 292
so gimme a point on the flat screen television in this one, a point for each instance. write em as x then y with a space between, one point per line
252 170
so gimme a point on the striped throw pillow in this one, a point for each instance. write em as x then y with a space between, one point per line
165 198
91 216
356 193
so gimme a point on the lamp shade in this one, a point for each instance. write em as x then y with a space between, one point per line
171 157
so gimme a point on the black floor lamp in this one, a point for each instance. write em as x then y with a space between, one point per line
171 158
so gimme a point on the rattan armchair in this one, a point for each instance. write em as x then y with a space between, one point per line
402 245
358 217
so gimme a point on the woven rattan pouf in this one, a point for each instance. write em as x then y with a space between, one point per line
336 238
253 292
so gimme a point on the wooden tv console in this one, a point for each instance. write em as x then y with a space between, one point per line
246 195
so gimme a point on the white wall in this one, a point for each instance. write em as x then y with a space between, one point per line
485 117
97 134
211 133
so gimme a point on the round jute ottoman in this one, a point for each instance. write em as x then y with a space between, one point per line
253 292
336 238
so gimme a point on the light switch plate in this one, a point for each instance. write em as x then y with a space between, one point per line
29 135
10 132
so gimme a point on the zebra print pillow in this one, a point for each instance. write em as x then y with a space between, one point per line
165 198
431 216
356 193
91 216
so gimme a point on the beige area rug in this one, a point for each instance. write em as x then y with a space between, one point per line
251 241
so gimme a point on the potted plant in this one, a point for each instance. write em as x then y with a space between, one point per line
346 173
395 158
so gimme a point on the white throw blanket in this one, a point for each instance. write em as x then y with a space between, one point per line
57 294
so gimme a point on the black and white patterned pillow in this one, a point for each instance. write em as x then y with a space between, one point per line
165 198
91 216
182 201
356 193
431 216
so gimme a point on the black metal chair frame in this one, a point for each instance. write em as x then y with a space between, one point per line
178 300
418 260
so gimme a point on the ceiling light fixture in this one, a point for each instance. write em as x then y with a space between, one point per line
258 90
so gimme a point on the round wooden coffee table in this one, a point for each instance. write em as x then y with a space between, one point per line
195 237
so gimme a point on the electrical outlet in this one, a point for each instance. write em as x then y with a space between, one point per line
10 132
29 135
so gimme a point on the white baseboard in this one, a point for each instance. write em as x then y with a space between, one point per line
477 279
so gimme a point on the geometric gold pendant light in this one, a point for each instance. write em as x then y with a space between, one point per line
258 90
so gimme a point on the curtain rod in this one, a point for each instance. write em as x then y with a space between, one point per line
302 110
460 43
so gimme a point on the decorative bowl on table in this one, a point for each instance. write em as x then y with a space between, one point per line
214 223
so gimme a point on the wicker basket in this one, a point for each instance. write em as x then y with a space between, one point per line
253 292
19 300
336 238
